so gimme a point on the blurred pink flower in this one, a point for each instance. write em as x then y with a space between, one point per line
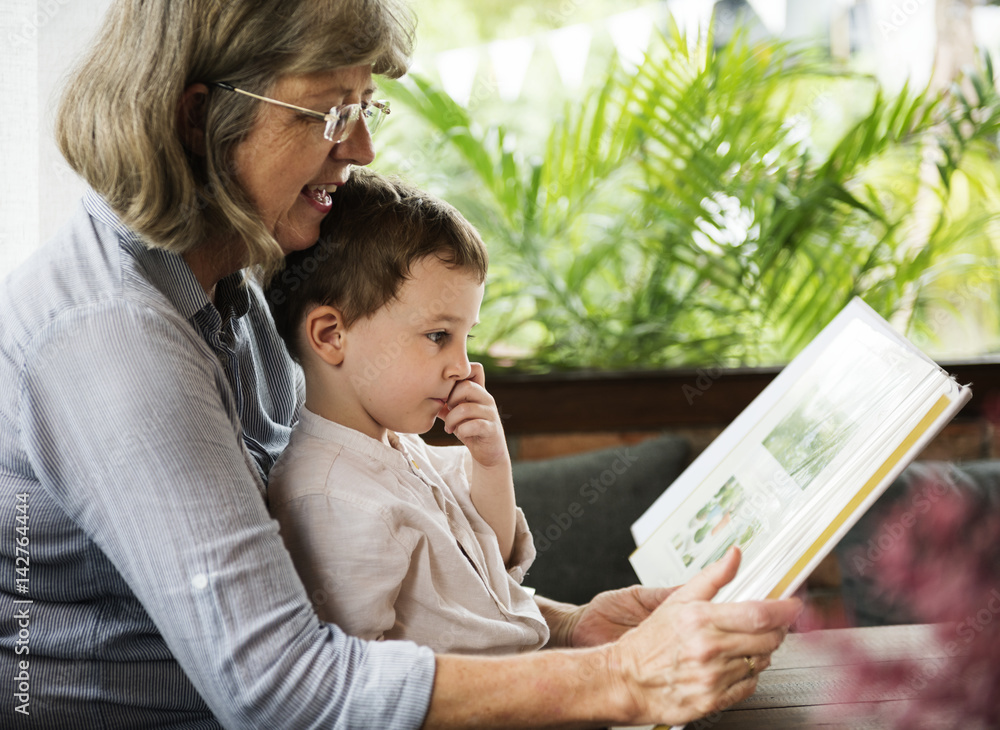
946 567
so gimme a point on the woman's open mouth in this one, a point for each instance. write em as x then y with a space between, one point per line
319 197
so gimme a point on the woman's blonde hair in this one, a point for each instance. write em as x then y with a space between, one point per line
117 124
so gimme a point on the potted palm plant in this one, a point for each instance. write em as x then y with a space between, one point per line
697 210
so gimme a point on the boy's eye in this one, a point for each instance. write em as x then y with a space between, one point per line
437 337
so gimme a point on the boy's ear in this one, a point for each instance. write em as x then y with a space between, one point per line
324 334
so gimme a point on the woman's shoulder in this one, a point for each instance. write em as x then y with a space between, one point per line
91 257
83 279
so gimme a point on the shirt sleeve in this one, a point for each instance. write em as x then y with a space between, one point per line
125 416
350 559
522 553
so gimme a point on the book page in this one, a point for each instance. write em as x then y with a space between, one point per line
792 470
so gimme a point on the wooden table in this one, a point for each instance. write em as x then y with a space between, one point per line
811 676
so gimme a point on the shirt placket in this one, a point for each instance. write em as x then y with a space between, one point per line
459 528
222 339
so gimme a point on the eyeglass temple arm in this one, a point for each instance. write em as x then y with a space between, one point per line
300 109
380 105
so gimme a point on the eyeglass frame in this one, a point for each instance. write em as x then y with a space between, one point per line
332 117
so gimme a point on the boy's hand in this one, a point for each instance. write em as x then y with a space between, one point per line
471 414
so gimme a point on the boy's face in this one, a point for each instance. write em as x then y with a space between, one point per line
402 362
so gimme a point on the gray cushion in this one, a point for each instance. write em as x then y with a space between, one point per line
579 509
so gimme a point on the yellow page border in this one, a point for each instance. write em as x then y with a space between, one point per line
921 428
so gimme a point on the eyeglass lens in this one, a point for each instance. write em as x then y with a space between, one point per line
342 121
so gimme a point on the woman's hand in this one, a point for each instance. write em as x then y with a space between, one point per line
684 661
612 613
687 660
609 615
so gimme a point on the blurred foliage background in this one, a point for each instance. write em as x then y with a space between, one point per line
716 202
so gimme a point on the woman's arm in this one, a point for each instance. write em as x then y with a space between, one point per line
146 458
562 619
685 661
143 452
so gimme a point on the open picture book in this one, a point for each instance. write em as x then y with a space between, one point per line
803 462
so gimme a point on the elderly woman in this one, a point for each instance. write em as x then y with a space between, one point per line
144 396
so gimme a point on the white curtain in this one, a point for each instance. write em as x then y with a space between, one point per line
39 42
18 137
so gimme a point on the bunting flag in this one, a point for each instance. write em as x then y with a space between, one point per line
510 60
905 38
693 17
569 47
772 13
457 69
986 26
630 33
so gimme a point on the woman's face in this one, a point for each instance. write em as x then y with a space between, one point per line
284 164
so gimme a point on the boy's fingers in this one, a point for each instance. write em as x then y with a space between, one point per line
472 429
478 374
469 391
465 412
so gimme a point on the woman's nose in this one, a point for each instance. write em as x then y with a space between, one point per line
357 147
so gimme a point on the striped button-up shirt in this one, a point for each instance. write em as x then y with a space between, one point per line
142 582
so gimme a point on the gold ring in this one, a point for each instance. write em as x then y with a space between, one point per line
751 666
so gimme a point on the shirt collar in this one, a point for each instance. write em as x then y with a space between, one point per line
391 455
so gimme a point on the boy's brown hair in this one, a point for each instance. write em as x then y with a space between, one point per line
377 229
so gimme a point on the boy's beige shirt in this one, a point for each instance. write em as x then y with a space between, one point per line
390 546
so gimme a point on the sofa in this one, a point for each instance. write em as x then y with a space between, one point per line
579 509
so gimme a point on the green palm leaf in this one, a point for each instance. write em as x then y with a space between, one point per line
682 212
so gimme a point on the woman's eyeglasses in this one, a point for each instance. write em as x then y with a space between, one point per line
340 120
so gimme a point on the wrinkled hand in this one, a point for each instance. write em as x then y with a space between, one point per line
471 414
687 659
612 613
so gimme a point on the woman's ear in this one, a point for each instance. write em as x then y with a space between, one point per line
325 333
191 117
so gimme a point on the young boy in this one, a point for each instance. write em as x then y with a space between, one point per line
394 538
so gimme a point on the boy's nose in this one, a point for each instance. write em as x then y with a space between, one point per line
459 368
